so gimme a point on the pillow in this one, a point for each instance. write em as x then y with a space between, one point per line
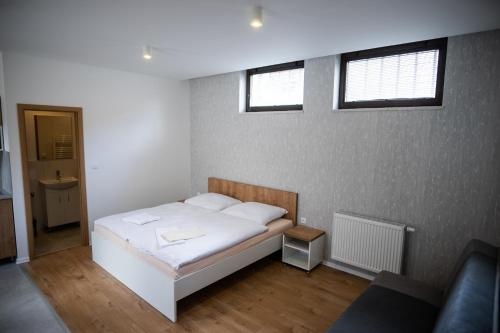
213 201
256 211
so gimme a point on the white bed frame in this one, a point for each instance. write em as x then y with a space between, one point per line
160 289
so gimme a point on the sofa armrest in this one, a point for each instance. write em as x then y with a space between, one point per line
409 287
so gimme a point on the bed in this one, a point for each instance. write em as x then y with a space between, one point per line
162 281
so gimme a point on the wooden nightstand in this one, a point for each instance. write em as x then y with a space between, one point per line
303 247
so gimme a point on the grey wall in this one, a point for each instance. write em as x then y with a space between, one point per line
437 170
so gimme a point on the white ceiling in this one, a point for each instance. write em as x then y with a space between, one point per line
195 38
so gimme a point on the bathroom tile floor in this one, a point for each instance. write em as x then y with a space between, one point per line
57 239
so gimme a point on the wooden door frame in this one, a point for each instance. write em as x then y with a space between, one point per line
21 109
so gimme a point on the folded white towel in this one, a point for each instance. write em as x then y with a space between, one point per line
182 234
140 219
162 242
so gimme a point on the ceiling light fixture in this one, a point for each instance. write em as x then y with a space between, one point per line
147 52
256 21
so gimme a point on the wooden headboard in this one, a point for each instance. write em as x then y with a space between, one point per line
247 192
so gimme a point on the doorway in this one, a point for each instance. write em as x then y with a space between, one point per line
54 177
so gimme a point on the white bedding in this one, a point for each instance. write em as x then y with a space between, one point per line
221 232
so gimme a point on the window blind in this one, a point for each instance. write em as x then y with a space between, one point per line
402 76
277 88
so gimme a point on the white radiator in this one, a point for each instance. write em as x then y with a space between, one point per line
367 243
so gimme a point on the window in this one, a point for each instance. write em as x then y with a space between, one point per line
275 88
395 76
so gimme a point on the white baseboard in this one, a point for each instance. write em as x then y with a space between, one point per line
348 270
22 260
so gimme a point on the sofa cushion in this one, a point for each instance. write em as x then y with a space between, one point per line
496 313
382 310
470 303
473 246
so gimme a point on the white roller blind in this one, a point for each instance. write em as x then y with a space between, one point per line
277 88
404 76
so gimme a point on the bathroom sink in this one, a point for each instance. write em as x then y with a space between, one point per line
59 184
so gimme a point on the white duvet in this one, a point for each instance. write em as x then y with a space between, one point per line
221 232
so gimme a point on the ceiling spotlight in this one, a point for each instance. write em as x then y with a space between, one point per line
147 52
256 21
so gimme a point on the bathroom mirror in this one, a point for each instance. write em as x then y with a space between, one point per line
54 137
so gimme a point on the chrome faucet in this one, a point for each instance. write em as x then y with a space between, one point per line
58 174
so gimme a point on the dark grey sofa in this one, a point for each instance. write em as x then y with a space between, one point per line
396 304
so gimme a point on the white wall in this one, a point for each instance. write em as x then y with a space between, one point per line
136 132
5 181
4 111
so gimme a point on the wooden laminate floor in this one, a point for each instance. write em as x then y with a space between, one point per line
264 297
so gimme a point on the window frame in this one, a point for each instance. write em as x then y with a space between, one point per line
270 69
433 44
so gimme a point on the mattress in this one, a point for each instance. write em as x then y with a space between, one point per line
274 228
221 232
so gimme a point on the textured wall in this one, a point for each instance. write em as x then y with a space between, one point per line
437 170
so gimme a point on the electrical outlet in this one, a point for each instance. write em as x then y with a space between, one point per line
198 193
303 220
